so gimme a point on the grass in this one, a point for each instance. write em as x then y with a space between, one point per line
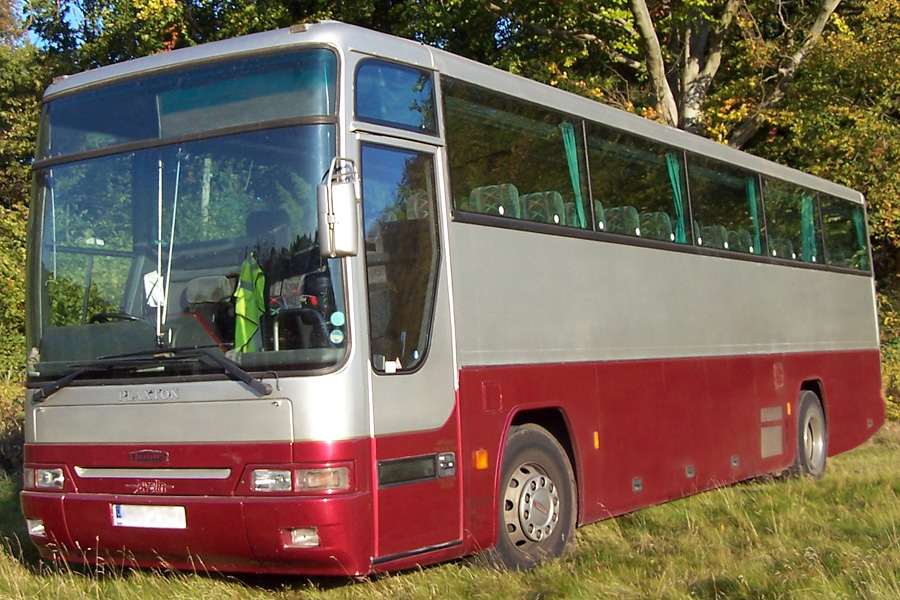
794 539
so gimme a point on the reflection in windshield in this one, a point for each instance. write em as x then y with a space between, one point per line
209 243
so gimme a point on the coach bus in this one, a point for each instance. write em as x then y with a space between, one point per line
325 301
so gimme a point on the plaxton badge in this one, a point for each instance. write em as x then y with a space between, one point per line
148 395
148 456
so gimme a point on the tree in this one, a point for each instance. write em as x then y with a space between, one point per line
22 78
665 55
696 39
92 33
842 121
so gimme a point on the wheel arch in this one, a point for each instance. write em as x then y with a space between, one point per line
815 386
556 422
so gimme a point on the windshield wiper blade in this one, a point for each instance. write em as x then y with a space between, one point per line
51 388
231 367
82 369
237 372
144 358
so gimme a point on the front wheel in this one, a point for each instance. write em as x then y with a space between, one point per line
812 437
537 500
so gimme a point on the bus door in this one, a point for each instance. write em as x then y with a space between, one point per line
412 368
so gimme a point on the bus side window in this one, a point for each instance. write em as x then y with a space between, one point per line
792 219
513 159
726 206
641 184
844 228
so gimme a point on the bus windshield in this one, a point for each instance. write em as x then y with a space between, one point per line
207 241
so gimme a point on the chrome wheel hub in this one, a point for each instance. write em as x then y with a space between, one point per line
814 441
531 505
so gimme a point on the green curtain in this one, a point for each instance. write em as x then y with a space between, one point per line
808 229
674 168
859 225
752 198
568 136
249 306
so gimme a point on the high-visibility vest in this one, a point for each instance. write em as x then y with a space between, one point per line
249 306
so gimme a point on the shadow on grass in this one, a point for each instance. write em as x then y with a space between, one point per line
280 583
715 588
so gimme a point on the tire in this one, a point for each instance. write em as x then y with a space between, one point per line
812 437
536 504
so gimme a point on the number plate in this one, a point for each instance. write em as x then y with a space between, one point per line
150 517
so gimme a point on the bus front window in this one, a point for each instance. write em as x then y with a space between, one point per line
209 243
198 241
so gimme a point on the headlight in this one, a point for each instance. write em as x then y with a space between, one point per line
270 480
301 480
43 478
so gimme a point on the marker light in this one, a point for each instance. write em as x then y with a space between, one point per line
481 460
320 480
270 480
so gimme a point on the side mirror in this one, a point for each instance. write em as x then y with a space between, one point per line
337 196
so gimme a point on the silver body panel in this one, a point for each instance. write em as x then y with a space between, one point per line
564 299
169 422
327 407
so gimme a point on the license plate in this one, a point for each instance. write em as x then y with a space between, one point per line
149 517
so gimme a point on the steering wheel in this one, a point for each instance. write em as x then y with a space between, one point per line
106 317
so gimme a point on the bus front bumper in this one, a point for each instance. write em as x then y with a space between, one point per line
287 534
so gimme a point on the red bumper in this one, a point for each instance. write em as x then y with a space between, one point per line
236 534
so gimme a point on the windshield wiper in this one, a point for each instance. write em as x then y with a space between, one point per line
231 367
81 370
143 358
50 389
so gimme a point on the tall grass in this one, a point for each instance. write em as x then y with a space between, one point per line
836 538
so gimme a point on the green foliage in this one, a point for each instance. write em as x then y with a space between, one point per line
12 435
12 288
90 33
842 121
23 75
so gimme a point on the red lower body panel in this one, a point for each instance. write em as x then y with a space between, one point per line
223 534
643 432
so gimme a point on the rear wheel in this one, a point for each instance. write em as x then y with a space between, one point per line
537 500
812 437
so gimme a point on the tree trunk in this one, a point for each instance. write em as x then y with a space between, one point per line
656 65
703 45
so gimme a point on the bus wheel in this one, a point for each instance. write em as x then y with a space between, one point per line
537 500
812 437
